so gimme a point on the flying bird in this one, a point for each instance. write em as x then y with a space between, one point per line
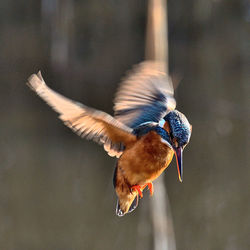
144 133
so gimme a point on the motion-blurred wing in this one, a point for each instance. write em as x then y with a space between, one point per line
145 95
86 122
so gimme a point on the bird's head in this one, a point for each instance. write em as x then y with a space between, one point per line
179 130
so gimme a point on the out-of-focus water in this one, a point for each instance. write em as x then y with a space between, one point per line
56 189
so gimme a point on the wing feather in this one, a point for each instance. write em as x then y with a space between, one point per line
145 95
86 122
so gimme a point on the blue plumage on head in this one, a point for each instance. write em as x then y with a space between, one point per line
180 129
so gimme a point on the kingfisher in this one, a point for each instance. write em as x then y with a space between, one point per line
145 132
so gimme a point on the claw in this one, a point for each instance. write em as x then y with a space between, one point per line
138 189
151 188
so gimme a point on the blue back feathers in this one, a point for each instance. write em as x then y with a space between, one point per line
146 128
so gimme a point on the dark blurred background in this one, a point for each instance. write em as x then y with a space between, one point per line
56 189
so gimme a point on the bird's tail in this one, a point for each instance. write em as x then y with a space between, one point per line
127 201
132 207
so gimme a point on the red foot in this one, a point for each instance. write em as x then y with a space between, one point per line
151 188
138 189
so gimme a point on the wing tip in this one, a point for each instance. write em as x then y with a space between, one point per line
35 81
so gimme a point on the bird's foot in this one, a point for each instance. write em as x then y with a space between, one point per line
150 187
137 188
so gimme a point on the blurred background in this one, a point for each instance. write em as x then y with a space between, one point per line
56 189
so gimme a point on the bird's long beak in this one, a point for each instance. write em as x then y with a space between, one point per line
178 155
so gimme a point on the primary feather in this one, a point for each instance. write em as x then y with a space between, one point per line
85 121
145 95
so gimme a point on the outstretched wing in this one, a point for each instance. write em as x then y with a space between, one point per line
145 95
86 122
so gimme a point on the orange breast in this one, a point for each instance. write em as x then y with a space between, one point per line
146 159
